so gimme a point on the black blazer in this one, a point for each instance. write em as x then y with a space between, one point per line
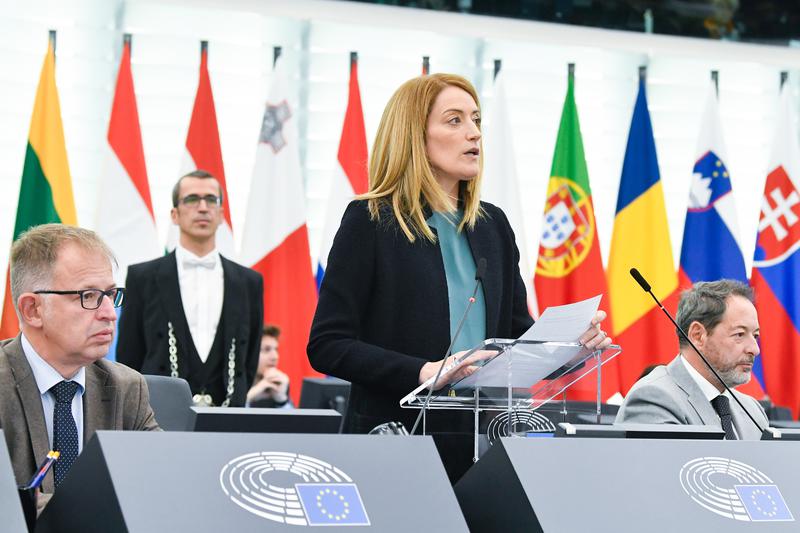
153 298
383 308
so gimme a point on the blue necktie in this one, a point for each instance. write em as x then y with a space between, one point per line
65 433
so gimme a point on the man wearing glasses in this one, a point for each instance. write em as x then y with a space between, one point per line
56 389
193 313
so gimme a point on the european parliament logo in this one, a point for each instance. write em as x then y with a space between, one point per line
734 490
293 489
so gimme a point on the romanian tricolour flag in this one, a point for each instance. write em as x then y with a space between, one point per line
776 265
711 248
45 194
203 152
500 185
275 239
641 239
350 175
124 210
569 267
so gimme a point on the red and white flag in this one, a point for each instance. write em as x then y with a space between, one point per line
125 211
203 152
350 175
275 241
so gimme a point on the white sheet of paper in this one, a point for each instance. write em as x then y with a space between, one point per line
564 323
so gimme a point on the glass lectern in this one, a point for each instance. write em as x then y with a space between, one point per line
514 377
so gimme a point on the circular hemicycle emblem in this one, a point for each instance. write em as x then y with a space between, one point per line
293 489
567 228
523 421
734 490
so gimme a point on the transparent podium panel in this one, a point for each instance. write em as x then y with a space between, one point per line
514 376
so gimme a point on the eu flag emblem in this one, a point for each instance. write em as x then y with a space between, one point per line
764 503
332 504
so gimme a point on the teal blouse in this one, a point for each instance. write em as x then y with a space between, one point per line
459 268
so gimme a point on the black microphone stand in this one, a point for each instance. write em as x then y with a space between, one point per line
480 270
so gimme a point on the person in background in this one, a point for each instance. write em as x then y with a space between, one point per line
271 387
193 313
720 319
56 389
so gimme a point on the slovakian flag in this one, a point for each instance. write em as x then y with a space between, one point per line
45 194
275 241
776 264
641 239
350 175
500 185
125 217
711 248
569 267
203 152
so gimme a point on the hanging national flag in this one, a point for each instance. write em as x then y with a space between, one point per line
130 232
776 265
641 239
350 175
500 185
569 267
711 248
275 239
45 194
203 152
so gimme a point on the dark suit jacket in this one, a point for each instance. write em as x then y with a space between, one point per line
383 308
116 397
153 298
669 395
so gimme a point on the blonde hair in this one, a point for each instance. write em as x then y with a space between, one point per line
400 174
34 254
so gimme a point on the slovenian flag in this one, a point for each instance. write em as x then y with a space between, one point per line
45 194
776 264
711 248
275 241
350 175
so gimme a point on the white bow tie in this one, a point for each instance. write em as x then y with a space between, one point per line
208 262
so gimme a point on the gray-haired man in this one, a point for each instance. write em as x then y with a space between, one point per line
56 389
720 319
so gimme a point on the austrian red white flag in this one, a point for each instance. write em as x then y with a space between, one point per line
500 185
125 211
275 241
203 152
350 174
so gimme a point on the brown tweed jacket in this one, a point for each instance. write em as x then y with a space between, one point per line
116 397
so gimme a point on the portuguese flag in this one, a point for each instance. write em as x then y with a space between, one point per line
569 267
45 193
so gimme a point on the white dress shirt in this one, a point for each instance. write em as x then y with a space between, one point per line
47 377
202 287
709 390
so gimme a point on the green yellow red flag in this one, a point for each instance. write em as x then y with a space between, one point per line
45 193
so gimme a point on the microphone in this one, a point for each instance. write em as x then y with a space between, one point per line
480 271
646 287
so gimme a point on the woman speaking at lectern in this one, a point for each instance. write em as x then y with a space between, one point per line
402 266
